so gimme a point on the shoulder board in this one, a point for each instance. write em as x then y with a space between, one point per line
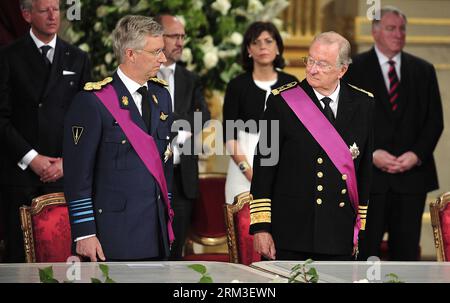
159 81
97 85
278 90
361 90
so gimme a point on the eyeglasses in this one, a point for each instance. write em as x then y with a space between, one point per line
155 52
321 65
176 36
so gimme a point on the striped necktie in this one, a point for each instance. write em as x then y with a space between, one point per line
393 85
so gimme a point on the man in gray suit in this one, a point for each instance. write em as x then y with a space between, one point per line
187 97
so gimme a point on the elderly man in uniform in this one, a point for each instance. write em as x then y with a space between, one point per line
313 202
117 153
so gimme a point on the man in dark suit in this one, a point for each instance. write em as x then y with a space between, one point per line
408 124
117 155
40 74
313 202
187 97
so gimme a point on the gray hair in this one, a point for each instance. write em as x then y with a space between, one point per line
388 9
26 5
130 32
344 46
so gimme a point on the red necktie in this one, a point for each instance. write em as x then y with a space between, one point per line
393 85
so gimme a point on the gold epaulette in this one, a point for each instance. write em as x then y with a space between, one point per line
362 211
159 81
361 90
97 85
278 90
260 211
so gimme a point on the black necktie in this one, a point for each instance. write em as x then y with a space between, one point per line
146 109
393 85
45 49
327 110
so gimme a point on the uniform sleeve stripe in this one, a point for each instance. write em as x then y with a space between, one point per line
260 209
80 200
81 204
78 208
83 213
83 220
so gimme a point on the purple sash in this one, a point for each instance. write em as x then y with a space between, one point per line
329 139
143 144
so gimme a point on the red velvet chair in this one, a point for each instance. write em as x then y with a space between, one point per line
208 224
240 242
440 221
46 229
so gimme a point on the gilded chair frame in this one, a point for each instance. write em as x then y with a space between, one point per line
435 208
204 241
230 210
26 212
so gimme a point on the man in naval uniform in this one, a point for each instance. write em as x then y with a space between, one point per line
117 154
313 202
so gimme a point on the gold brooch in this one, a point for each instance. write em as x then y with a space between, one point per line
163 116
125 100
354 151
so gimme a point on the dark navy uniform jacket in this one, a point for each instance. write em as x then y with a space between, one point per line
311 210
109 190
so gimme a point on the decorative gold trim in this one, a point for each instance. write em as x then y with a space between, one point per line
230 211
26 212
435 208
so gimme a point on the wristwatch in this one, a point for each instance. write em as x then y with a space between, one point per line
243 166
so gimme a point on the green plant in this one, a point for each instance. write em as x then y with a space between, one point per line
201 269
46 275
302 272
393 278
214 29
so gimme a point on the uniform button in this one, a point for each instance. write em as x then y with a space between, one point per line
159 197
100 210
124 141
319 160
167 138
319 187
342 204
71 83
344 177
319 201
343 191
40 105
320 174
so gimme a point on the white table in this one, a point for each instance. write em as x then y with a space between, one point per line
348 272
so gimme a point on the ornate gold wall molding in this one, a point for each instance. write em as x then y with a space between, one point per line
363 26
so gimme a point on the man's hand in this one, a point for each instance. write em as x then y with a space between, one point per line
407 161
386 162
54 171
264 245
40 163
91 248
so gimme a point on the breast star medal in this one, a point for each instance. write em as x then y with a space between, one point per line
354 151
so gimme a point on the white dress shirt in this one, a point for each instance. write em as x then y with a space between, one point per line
383 60
334 99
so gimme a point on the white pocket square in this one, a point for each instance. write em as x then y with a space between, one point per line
68 72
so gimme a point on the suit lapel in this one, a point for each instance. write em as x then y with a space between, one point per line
154 103
346 108
404 86
122 92
57 66
378 80
33 60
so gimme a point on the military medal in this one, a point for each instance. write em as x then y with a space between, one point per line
163 116
354 151
168 153
125 100
155 99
